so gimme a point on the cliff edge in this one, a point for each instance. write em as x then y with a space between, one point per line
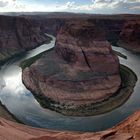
17 35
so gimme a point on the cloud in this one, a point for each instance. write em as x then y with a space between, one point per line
94 6
3 3
70 4
135 7
11 5
103 6
109 6
115 3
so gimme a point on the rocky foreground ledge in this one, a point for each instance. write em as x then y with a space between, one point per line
127 130
80 71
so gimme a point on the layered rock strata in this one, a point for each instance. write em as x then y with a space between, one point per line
127 130
80 71
130 36
18 34
120 30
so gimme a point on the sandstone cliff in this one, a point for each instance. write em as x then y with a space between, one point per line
130 36
18 34
81 70
127 130
119 29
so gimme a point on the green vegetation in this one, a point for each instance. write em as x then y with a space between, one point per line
120 54
45 102
30 61
129 80
128 77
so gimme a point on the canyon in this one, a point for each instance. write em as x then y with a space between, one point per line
120 30
19 34
77 79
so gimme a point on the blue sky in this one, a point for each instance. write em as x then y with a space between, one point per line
86 6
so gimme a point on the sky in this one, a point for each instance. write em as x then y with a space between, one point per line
78 6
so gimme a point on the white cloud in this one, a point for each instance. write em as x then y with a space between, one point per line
3 3
103 6
11 5
111 6
16 6
136 7
95 6
70 4
114 4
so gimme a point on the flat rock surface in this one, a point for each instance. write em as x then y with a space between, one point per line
127 130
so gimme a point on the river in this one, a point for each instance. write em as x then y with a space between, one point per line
22 104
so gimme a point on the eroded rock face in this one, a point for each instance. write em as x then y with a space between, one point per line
80 71
18 34
130 36
122 30
127 130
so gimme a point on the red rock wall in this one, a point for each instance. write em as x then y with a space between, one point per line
130 36
127 130
18 34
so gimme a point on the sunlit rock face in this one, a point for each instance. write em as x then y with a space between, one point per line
127 130
80 71
18 34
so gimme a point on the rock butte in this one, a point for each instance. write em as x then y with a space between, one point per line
80 71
